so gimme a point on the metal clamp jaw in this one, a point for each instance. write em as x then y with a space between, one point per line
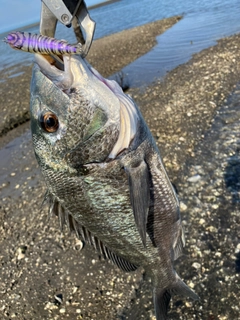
68 12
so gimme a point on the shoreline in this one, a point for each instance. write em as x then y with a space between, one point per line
102 4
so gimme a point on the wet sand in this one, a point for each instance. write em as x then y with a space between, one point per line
196 126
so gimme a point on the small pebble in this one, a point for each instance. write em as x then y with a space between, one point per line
237 248
196 265
183 206
50 306
21 256
195 178
79 244
202 221
58 299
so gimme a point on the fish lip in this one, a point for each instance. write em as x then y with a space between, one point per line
61 78
71 75
65 79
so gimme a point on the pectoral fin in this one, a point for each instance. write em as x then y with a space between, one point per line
138 178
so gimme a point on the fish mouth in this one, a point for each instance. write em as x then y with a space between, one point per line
62 71
76 72
56 70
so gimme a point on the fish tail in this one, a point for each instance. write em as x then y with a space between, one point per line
162 297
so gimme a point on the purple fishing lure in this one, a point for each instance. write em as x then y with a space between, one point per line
37 43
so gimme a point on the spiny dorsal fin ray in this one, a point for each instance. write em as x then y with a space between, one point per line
138 178
84 234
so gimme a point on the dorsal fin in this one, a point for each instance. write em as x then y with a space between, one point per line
82 233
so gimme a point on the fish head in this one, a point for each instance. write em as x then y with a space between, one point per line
77 116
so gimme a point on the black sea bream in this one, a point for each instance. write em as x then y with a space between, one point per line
104 173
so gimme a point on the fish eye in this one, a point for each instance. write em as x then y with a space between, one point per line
49 122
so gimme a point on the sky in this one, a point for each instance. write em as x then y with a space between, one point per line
19 13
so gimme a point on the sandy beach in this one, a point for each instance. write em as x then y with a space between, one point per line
193 114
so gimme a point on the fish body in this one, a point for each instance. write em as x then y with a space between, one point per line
37 43
104 174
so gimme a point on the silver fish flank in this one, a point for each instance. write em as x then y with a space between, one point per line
104 173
